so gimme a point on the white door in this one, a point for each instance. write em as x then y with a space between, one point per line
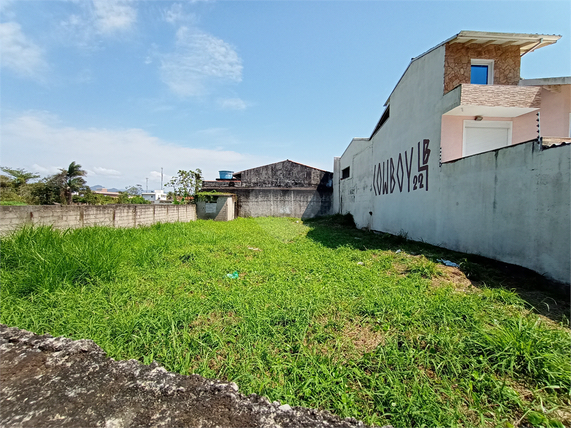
483 136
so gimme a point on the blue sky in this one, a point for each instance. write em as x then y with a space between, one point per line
127 87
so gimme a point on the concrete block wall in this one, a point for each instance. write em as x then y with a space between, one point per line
71 217
98 216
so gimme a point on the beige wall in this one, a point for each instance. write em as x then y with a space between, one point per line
72 217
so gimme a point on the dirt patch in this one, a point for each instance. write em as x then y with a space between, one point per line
455 277
343 340
216 320
362 337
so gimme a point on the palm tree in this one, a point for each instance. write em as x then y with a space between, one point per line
74 180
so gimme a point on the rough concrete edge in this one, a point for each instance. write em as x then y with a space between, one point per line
257 404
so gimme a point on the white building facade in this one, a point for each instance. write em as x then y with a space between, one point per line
155 196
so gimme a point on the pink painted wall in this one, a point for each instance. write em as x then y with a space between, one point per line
451 137
555 109
523 129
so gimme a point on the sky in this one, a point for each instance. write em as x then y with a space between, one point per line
126 87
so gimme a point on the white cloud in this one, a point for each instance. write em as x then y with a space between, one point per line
232 104
79 30
176 14
199 60
98 18
106 172
45 170
114 157
19 54
113 15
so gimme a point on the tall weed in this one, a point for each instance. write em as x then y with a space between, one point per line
522 345
43 258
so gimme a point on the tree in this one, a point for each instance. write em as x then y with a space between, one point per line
19 176
186 184
132 195
59 188
73 180
136 190
50 190
14 186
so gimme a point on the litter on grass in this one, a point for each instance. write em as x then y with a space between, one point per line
234 275
448 263
397 251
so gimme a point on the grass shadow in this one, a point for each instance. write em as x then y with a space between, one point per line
548 298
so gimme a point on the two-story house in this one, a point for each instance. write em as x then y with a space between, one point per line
469 156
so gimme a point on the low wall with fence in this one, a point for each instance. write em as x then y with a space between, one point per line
75 216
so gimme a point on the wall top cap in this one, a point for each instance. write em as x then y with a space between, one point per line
526 42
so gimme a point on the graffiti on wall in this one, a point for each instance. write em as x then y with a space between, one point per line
400 173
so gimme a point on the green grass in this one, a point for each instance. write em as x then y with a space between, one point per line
12 203
322 315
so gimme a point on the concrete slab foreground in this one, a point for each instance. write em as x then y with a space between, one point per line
49 382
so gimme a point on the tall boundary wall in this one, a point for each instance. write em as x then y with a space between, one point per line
76 216
511 204
283 202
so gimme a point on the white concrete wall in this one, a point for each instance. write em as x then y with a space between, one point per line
415 116
336 190
356 191
512 204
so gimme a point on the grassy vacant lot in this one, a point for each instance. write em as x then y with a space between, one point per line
320 315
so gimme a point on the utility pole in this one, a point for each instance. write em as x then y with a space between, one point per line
161 177
147 184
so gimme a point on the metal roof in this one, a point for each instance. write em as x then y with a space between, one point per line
526 42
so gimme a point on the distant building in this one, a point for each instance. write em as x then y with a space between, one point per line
155 196
281 189
105 192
